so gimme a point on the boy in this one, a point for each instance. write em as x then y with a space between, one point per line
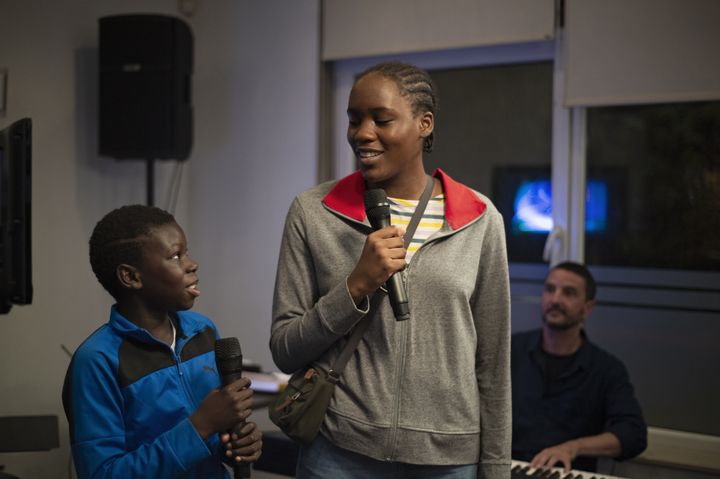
142 394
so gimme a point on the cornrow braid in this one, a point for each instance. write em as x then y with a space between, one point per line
118 239
414 84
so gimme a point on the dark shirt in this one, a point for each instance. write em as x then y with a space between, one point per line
555 365
593 395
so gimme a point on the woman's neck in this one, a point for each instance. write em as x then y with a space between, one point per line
408 187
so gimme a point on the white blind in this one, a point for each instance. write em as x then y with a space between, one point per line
358 28
642 51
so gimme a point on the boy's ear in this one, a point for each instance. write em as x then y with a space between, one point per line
129 276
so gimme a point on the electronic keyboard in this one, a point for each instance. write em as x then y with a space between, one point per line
522 470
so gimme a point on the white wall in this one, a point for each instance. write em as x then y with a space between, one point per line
256 85
255 100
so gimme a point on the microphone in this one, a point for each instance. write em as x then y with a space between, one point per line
377 209
228 359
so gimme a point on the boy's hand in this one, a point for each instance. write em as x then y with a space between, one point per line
223 408
245 445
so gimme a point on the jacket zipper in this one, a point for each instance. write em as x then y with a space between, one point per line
392 439
183 382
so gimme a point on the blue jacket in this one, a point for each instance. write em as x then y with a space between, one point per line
128 397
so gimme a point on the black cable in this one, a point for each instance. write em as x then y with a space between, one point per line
174 187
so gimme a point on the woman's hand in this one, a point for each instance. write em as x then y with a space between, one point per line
382 256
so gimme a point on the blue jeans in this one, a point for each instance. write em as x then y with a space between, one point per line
324 460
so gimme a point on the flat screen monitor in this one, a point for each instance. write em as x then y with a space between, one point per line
532 206
15 215
523 194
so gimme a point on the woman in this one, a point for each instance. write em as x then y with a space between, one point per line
426 397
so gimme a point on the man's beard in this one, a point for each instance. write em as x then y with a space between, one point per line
569 322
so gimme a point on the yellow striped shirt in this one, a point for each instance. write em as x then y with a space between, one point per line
432 219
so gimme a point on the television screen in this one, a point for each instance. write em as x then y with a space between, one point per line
523 194
532 208
15 215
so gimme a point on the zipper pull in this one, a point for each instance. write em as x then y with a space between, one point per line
289 400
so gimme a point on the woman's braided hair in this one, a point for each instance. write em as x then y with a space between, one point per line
414 84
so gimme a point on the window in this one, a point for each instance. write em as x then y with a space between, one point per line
493 133
666 166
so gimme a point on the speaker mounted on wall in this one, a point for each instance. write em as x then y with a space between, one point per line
145 109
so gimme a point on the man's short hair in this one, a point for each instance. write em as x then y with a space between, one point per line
580 270
118 239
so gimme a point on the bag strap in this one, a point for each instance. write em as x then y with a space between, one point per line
419 210
349 349
363 324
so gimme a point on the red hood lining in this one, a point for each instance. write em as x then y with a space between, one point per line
461 204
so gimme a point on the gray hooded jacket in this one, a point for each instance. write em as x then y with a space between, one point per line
434 389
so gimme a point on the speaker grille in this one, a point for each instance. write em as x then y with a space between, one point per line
145 98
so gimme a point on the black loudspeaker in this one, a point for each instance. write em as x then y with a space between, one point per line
145 87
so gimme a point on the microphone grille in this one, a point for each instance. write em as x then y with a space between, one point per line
377 208
227 348
375 198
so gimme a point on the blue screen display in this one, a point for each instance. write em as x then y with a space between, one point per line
532 207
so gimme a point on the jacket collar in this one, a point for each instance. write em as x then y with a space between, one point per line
185 326
461 204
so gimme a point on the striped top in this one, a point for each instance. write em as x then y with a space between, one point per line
432 219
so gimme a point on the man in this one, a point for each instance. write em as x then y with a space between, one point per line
572 401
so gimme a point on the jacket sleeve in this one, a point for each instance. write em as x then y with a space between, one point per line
623 415
305 324
94 404
491 310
